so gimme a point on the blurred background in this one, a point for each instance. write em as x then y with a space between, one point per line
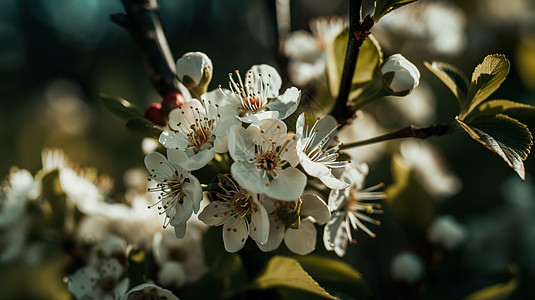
56 57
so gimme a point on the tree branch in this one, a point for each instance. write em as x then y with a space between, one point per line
437 129
143 23
357 34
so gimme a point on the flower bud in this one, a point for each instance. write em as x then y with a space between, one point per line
153 113
400 76
194 70
171 102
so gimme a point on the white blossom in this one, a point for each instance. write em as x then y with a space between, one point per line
293 222
257 97
180 260
240 213
314 155
197 131
194 70
180 193
349 207
104 281
265 160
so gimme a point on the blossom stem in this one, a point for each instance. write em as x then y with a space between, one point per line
437 129
143 22
358 31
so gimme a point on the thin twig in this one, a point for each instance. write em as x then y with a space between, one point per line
357 34
437 129
143 23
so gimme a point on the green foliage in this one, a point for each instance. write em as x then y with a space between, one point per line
132 115
487 121
407 200
336 276
366 70
382 7
143 127
120 107
505 136
285 272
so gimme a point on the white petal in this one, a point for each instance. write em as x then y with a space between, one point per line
301 241
259 227
193 190
234 234
173 140
158 166
276 234
300 126
338 199
314 206
288 185
215 213
81 283
191 162
259 116
334 235
274 130
183 212
121 288
111 268
333 183
240 141
313 168
287 103
324 127
268 77
185 115
249 177
149 291
180 230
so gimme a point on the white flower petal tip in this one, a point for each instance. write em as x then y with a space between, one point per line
400 76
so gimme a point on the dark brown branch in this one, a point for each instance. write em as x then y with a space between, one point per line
437 129
143 22
357 34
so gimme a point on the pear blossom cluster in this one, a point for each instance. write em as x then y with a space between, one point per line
266 191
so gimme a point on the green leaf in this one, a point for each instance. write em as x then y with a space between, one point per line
144 127
369 60
486 79
335 275
285 272
508 107
505 136
121 107
382 7
495 292
452 77
407 199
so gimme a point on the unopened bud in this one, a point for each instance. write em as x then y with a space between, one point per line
171 102
153 113
194 70
400 76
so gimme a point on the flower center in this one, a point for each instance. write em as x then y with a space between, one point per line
170 192
199 128
319 152
240 200
251 100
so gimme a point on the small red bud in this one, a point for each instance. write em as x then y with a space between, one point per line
153 113
173 101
